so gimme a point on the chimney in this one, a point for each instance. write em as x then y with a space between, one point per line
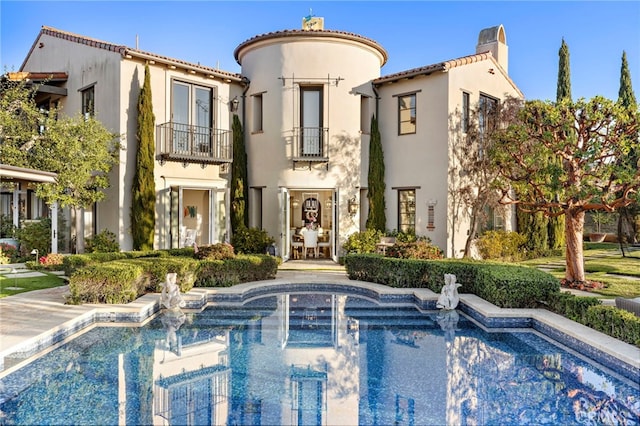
494 40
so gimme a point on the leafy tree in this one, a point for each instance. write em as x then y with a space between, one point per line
81 151
471 175
628 215
585 140
377 219
143 188
239 190
19 120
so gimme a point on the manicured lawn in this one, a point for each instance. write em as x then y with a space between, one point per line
28 284
603 263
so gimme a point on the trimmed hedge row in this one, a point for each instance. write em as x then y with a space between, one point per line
506 286
116 278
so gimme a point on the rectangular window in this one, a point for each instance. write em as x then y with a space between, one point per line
407 210
487 119
257 113
311 120
407 114
192 117
465 112
88 102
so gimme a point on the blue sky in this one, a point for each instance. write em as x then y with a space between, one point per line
414 33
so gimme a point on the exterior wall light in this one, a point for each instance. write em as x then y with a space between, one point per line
352 206
233 105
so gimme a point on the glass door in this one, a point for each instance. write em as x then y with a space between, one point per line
285 224
311 121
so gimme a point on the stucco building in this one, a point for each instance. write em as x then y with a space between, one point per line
306 98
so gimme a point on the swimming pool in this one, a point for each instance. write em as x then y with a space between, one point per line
315 357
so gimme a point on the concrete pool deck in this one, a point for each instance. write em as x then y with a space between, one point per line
31 322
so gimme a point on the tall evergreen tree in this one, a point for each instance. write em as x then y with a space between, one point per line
629 216
239 188
564 74
143 206
377 218
556 224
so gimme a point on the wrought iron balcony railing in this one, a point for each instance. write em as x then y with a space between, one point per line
186 143
311 144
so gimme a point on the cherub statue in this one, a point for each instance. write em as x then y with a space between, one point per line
170 297
449 297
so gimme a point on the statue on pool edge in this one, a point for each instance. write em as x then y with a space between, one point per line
170 297
449 298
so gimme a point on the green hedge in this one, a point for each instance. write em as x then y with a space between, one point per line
615 322
242 268
123 277
506 286
109 282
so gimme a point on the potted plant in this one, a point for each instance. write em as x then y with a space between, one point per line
599 218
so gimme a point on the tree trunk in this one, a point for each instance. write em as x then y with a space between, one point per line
574 231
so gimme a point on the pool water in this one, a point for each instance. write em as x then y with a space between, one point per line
314 358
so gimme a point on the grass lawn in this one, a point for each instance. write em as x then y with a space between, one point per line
603 263
28 283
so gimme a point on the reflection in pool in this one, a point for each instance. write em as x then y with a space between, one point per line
314 358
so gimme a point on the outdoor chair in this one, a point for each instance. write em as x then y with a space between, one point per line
629 305
296 246
310 243
325 244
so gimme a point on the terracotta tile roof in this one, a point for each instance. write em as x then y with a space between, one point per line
128 53
313 33
444 67
55 76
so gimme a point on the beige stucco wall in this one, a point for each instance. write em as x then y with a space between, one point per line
338 65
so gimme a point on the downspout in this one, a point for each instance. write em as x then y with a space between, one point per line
375 92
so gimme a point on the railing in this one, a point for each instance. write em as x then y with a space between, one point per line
310 144
193 144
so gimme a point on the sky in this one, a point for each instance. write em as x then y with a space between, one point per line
414 33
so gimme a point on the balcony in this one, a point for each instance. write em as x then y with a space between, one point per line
186 144
310 144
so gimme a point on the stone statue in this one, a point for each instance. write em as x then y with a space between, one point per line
170 297
449 298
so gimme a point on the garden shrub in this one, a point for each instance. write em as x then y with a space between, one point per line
501 245
35 235
219 251
242 268
109 282
419 249
615 322
74 262
506 286
571 306
251 240
104 242
185 269
362 242
8 253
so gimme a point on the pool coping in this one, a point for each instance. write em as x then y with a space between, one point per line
618 356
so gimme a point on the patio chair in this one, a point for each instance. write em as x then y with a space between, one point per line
296 246
325 244
310 243
629 305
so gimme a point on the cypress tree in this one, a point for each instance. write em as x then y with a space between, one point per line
556 225
376 219
564 75
629 216
143 206
239 189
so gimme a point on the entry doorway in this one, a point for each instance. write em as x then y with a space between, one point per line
309 209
